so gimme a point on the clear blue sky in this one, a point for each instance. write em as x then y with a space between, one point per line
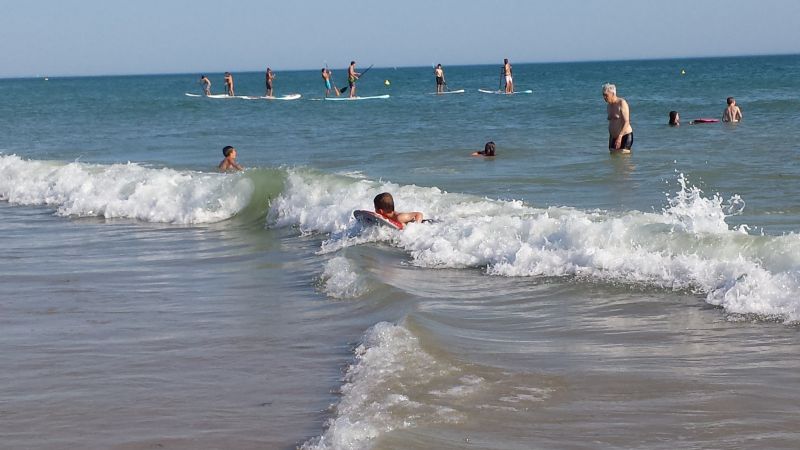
94 37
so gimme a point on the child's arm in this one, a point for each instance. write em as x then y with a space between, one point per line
409 217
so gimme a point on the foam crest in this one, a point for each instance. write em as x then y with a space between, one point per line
688 246
378 396
124 191
339 280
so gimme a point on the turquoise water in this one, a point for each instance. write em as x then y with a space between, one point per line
567 298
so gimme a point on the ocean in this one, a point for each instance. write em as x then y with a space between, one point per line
564 298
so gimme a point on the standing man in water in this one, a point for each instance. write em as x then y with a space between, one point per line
620 132
206 85
229 83
509 78
268 81
439 74
352 76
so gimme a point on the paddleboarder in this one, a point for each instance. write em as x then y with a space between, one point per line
352 76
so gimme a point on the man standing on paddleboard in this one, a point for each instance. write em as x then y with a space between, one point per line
268 81
352 76
439 74
509 78
229 83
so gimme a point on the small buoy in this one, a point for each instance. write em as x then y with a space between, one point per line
386 82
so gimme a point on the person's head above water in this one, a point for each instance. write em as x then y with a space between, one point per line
731 101
488 149
384 202
227 150
674 118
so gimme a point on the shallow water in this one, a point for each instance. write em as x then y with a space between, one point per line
566 299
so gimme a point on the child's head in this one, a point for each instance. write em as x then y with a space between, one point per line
731 101
384 202
673 117
228 150
488 149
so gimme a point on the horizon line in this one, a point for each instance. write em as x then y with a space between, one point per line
38 76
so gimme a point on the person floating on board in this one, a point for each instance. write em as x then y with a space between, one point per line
384 206
488 150
326 76
206 85
229 83
270 75
732 113
229 162
439 74
509 79
620 132
352 76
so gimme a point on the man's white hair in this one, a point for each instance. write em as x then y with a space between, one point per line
609 88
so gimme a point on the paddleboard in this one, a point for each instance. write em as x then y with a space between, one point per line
704 120
486 91
357 98
216 96
372 218
282 97
458 91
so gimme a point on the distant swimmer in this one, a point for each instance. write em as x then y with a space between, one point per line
229 162
384 206
229 83
488 150
507 73
326 77
620 132
732 113
268 77
352 76
674 119
440 83
206 85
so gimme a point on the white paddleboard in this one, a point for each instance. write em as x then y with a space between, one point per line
343 98
372 218
457 91
216 96
486 91
282 97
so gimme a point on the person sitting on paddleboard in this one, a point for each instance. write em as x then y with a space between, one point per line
229 162
488 150
384 206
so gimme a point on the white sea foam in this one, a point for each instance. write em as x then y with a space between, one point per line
124 191
385 390
340 280
688 246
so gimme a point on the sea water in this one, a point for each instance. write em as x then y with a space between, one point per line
565 298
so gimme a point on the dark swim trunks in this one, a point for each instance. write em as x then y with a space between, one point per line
439 81
627 142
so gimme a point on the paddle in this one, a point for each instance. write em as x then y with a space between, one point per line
502 76
359 77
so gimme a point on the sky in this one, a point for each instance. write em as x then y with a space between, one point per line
109 37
